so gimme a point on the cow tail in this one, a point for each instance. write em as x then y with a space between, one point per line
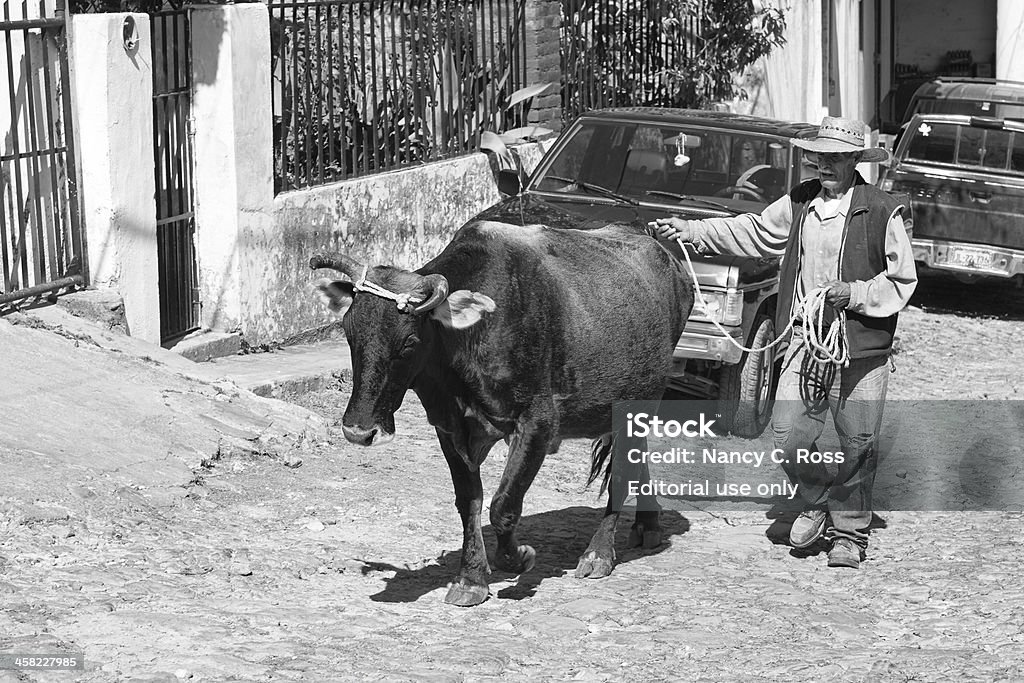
601 461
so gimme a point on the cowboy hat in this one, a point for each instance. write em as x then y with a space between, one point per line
836 134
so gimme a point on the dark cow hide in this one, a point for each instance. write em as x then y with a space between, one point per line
527 334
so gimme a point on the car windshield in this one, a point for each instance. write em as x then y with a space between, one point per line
991 149
667 164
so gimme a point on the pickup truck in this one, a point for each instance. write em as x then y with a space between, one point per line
634 165
965 178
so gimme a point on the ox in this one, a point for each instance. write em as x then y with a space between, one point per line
527 334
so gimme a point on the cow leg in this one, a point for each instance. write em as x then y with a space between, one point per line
599 558
526 453
470 586
646 529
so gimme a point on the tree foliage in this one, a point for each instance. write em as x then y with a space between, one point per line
732 35
681 53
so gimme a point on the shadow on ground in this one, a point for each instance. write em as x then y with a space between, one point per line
982 299
558 536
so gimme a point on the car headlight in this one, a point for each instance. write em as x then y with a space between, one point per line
725 307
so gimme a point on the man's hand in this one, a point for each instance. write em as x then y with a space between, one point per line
673 228
837 294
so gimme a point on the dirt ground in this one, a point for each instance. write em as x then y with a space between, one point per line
334 567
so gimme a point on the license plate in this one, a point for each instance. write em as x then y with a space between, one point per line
969 258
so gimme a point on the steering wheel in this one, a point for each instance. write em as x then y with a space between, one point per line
748 191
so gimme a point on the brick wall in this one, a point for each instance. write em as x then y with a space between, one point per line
543 63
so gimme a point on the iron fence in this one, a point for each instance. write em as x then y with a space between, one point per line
362 86
622 53
180 306
41 246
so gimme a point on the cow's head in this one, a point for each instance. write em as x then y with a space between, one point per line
390 319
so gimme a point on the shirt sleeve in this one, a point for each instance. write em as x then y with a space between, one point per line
749 234
888 292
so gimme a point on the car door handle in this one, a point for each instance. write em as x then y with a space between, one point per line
981 197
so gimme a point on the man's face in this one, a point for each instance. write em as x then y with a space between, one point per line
836 169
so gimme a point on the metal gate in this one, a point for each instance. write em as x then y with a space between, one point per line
172 144
41 244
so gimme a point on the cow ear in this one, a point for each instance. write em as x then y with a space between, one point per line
337 294
463 309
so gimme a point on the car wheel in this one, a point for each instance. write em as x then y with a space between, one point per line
746 390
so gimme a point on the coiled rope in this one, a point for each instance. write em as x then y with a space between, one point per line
824 346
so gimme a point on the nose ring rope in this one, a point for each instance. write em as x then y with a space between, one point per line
824 347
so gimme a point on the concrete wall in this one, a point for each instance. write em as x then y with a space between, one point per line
234 166
112 90
402 218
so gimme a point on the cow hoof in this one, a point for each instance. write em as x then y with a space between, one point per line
462 593
594 566
641 536
520 562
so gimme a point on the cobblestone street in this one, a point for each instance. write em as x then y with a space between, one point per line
333 566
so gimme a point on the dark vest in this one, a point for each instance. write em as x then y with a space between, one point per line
861 257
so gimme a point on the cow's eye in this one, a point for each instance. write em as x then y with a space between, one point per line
409 346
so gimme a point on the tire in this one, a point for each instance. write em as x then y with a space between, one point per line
746 390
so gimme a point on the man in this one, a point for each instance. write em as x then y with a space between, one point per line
837 233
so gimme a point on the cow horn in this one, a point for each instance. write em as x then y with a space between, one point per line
438 292
339 262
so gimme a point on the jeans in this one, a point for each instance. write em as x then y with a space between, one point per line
854 395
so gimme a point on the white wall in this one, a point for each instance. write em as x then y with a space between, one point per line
112 92
792 88
1010 40
233 147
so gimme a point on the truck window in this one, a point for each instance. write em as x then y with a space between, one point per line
968 146
933 142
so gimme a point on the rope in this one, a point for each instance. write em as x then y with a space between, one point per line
362 285
824 346
404 300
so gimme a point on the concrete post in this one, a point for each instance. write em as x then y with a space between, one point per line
1010 40
233 147
112 94
543 60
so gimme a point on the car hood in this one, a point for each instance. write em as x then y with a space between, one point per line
579 213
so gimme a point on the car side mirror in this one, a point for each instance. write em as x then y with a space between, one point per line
509 182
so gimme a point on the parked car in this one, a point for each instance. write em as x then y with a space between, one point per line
965 179
635 165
